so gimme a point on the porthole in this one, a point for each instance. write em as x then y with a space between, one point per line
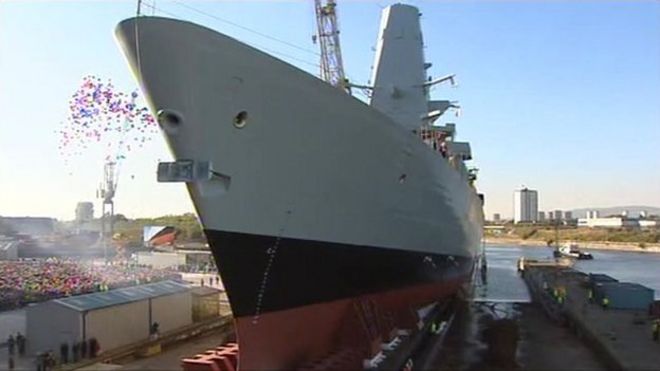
240 120
169 120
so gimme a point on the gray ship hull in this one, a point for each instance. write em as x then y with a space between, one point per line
316 199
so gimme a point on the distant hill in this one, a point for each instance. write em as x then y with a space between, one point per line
617 210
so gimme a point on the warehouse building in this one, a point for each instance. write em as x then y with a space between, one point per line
114 318
157 259
205 303
616 222
28 225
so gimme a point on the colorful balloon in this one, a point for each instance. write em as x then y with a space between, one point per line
101 115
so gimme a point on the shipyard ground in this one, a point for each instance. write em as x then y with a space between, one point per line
577 335
546 346
496 336
170 359
622 339
542 344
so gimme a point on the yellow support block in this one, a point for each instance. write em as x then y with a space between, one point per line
151 350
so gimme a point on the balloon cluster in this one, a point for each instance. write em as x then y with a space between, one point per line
101 115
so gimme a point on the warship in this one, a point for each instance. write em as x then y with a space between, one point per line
335 223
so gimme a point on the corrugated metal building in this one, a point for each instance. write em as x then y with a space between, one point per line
206 303
115 318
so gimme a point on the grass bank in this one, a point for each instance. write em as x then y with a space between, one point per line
596 238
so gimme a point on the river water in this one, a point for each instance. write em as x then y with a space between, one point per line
505 284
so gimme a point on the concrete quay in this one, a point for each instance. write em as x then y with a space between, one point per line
621 338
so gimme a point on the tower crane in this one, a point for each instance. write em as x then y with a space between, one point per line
106 193
332 65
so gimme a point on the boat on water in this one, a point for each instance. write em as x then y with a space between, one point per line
335 224
572 250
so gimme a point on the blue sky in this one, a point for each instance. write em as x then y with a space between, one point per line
563 97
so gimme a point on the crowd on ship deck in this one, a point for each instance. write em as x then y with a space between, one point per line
28 281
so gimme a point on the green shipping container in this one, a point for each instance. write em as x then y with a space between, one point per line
624 295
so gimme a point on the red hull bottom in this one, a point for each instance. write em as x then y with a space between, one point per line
348 330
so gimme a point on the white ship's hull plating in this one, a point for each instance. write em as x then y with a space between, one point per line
311 163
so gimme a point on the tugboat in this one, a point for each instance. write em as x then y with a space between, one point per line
571 250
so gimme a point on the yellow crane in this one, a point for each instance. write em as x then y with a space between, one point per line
332 65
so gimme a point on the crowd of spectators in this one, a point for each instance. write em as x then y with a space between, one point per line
28 281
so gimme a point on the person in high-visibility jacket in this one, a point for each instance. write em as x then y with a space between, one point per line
562 295
590 295
656 329
606 302
434 327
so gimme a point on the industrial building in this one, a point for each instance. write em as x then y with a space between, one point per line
114 318
160 260
525 206
557 215
84 212
8 248
616 222
593 214
541 217
33 226
497 217
205 303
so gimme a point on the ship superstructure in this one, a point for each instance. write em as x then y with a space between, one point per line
332 222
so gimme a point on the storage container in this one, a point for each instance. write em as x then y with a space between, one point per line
595 278
624 295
